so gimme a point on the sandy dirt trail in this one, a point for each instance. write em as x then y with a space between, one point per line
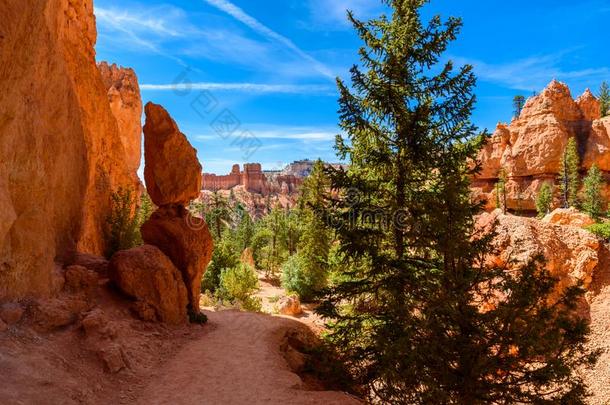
237 361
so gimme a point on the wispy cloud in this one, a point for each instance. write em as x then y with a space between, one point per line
533 73
288 133
332 14
241 16
244 87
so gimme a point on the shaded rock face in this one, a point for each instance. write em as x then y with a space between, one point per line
186 240
126 105
572 254
531 147
172 171
147 275
61 155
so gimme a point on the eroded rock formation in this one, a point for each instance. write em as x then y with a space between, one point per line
253 179
149 276
126 105
172 171
173 178
529 150
61 154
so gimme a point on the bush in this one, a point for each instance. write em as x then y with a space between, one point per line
602 230
238 285
303 277
223 257
123 222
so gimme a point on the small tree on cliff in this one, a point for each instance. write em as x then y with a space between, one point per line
501 191
592 199
416 316
544 199
518 104
604 99
569 178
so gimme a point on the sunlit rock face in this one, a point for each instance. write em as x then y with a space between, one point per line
529 149
61 154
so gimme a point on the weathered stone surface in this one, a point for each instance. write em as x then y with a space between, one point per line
569 216
81 279
126 105
149 276
51 314
11 313
99 264
572 254
61 155
253 179
290 305
186 240
529 150
172 171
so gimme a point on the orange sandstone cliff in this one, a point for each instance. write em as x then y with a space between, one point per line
61 148
530 148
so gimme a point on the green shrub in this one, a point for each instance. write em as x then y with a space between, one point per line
223 257
125 219
602 230
304 276
239 284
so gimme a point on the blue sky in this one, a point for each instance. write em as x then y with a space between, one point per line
253 80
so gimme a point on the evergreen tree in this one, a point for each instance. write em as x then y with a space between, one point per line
592 201
407 312
544 199
569 179
244 232
501 191
604 99
219 215
518 104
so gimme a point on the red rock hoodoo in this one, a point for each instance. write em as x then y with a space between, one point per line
253 179
531 147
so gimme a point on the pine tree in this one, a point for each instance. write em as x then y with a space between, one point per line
407 310
592 201
518 104
544 199
604 99
569 178
501 191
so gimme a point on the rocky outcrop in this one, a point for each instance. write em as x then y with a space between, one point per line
254 180
61 154
571 254
172 171
147 275
529 150
186 240
126 105
569 216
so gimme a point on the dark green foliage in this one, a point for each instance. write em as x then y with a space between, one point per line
544 200
518 103
408 317
569 178
501 191
223 257
604 99
125 220
602 230
592 198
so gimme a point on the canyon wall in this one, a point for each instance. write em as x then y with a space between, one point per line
530 149
253 179
61 154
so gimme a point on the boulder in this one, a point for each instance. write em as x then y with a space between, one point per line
290 305
11 313
51 314
98 264
172 171
186 240
146 274
61 155
81 279
569 216
571 254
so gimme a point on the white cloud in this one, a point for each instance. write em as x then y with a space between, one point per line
533 73
288 133
244 87
237 13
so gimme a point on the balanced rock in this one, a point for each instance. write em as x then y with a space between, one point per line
147 275
186 240
172 171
